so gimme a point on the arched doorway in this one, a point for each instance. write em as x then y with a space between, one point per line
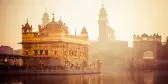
148 55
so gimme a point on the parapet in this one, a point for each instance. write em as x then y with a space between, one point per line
146 37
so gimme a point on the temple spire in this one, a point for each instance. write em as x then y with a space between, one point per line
53 19
60 17
103 24
27 20
45 19
75 31
45 10
102 3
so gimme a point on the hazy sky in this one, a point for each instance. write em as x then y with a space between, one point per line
126 17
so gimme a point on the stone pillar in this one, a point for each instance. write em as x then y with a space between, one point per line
99 65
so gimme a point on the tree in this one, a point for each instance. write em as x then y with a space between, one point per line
167 39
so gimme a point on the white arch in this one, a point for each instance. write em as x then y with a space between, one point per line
148 55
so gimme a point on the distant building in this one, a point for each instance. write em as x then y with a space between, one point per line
107 48
53 40
144 43
45 19
162 53
105 32
6 50
17 52
146 50
106 38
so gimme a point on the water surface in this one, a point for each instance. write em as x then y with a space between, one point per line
129 77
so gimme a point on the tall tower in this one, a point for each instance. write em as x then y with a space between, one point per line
45 18
103 24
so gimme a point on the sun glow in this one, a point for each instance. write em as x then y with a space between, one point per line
76 14
126 17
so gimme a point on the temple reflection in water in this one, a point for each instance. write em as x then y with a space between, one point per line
73 79
130 77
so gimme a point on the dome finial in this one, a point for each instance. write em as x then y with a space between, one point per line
46 10
75 31
102 3
53 19
60 17
27 20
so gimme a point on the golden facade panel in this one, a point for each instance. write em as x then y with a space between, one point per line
52 40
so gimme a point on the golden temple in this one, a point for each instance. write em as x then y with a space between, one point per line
53 40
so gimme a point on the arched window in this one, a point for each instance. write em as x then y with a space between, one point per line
27 53
46 52
75 53
35 52
55 52
148 55
70 53
41 52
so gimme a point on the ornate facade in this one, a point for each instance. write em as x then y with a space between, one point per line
53 40
144 43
